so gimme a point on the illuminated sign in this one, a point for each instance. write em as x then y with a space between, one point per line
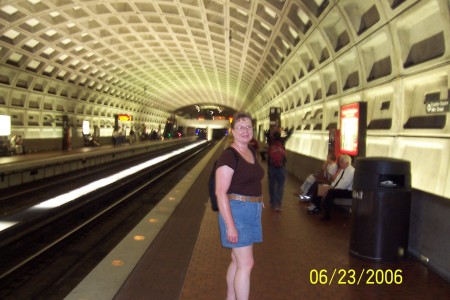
123 117
275 117
86 127
5 125
353 128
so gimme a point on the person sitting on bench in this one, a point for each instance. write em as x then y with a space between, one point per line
325 175
341 187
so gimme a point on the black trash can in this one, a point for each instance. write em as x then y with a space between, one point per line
381 208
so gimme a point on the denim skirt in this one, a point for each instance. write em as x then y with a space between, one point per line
247 219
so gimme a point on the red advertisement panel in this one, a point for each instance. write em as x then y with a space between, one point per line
350 115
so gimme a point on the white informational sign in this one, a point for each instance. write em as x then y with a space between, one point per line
5 125
86 128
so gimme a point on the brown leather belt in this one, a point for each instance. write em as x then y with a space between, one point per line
245 198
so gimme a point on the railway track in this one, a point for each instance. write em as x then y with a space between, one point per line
45 257
19 197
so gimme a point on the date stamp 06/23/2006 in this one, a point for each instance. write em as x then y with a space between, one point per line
355 277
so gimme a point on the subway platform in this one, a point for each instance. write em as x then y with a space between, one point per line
300 253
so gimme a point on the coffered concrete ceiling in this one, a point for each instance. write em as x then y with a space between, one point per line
160 54
94 58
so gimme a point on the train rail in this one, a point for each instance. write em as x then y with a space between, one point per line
17 198
98 220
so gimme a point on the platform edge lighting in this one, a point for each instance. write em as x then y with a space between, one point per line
83 190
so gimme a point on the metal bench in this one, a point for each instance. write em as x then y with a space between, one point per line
344 203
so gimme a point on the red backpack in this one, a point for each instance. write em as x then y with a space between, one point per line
277 154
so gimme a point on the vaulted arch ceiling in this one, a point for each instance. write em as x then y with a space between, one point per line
163 54
98 57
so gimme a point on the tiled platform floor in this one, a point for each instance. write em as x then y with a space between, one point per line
296 246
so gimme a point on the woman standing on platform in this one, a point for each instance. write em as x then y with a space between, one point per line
239 196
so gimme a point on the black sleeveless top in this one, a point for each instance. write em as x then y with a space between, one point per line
247 176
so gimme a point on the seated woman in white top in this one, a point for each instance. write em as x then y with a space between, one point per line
326 175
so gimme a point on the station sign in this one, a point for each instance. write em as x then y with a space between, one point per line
433 104
275 117
124 117
5 125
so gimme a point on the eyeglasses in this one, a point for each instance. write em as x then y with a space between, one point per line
242 128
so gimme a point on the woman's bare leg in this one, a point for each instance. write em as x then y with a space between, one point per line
231 274
238 275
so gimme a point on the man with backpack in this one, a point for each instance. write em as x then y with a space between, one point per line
276 165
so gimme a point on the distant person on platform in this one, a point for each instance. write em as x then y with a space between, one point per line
115 136
239 197
17 144
276 162
132 135
254 143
